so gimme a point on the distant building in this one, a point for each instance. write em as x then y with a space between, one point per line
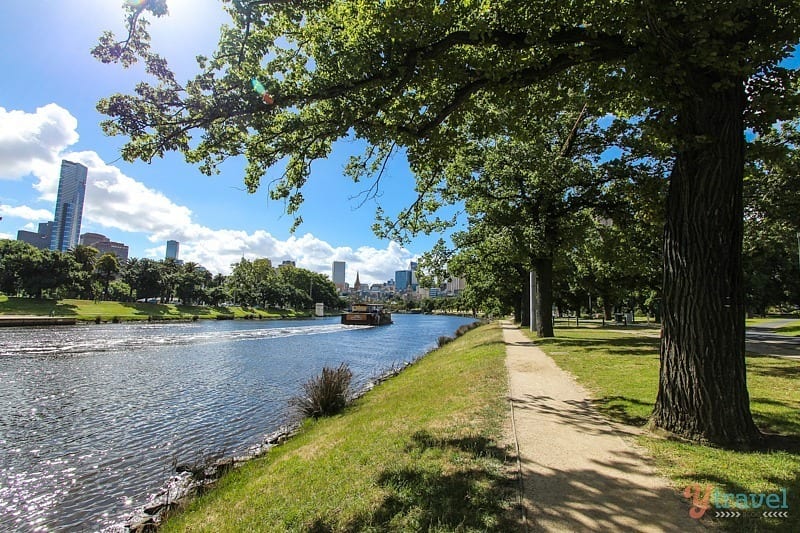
104 245
287 263
40 239
69 206
402 280
337 274
357 285
173 249
455 286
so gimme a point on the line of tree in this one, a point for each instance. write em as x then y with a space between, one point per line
84 273
427 77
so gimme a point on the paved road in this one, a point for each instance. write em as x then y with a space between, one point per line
762 341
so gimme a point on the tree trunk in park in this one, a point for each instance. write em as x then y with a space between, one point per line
524 302
702 391
608 308
544 295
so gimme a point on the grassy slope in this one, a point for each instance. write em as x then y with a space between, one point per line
421 452
621 370
90 310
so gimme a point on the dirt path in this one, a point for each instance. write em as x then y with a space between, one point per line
580 472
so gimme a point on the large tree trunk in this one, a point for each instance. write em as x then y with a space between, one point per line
702 392
544 296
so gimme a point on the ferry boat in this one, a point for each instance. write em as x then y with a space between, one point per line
367 315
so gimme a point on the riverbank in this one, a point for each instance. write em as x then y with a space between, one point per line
13 321
103 311
425 449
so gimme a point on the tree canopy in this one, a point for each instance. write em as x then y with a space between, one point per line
415 75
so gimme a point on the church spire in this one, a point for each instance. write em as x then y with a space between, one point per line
357 285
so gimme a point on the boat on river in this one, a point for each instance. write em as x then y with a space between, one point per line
367 315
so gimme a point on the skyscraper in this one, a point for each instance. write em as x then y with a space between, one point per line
338 274
172 249
69 206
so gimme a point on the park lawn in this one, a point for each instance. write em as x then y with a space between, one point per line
620 368
89 310
421 452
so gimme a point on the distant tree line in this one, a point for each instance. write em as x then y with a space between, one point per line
84 273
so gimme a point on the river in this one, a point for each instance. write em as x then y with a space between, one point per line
94 418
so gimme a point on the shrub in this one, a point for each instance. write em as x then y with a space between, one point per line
444 340
325 394
115 320
98 319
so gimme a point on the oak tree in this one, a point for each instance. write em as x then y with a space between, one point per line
407 74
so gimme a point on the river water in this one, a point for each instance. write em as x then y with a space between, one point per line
94 418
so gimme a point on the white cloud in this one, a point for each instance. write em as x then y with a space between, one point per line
26 213
31 142
7 236
35 144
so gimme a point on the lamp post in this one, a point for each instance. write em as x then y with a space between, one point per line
798 248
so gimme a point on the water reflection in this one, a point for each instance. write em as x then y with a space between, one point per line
92 418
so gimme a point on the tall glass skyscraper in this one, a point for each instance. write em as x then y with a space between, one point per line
173 248
69 206
338 274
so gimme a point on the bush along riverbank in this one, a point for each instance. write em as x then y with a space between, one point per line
424 449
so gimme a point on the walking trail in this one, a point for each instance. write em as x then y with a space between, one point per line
580 471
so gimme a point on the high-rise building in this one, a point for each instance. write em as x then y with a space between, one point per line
173 248
40 239
69 206
402 280
338 274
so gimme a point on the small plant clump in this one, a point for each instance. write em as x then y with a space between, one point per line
325 394
466 327
444 339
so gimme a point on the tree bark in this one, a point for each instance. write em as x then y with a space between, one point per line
702 391
544 293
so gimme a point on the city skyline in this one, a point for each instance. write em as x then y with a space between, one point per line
214 219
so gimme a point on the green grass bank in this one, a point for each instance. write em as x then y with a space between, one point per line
423 451
620 368
90 310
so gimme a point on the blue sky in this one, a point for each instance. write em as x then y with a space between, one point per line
50 87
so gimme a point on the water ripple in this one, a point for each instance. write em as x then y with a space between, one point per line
93 418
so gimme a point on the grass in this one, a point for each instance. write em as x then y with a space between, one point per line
89 310
620 368
421 452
